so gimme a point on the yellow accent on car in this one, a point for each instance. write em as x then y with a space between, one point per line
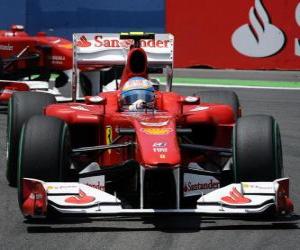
108 136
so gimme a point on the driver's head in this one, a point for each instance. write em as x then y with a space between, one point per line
137 88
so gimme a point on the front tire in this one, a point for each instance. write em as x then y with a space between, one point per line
257 151
22 106
45 150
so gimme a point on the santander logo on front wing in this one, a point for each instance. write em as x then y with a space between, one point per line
235 197
259 38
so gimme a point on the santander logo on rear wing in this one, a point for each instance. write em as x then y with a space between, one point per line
109 49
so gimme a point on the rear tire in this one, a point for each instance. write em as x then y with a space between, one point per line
257 151
45 149
22 106
221 97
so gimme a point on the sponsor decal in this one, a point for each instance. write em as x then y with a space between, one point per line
155 43
81 198
235 197
116 43
97 182
249 185
198 108
6 47
257 188
155 124
259 38
56 59
143 117
156 131
36 196
112 43
49 188
159 144
81 108
160 147
137 83
52 189
97 185
83 42
65 46
160 150
199 184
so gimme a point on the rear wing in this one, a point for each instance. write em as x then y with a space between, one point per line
109 49
102 50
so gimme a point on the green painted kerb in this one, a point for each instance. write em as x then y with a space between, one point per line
235 82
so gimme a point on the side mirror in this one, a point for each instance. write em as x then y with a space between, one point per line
190 100
95 100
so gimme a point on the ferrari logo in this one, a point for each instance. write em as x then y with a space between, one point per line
108 136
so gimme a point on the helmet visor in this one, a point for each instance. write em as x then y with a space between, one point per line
129 97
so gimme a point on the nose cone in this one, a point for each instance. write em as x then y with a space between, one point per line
157 142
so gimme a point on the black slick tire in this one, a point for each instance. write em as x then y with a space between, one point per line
257 151
45 149
22 106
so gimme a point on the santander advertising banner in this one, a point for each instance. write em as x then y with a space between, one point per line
237 34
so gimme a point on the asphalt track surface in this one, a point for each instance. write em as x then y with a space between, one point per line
169 232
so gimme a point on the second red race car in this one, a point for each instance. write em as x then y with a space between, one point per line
27 62
138 150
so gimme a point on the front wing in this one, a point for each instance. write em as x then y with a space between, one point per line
73 198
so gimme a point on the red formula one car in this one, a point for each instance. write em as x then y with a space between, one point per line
24 58
138 150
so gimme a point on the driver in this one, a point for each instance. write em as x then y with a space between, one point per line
137 94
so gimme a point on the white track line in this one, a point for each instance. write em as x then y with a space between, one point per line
232 86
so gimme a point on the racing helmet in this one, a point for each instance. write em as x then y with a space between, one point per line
137 88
